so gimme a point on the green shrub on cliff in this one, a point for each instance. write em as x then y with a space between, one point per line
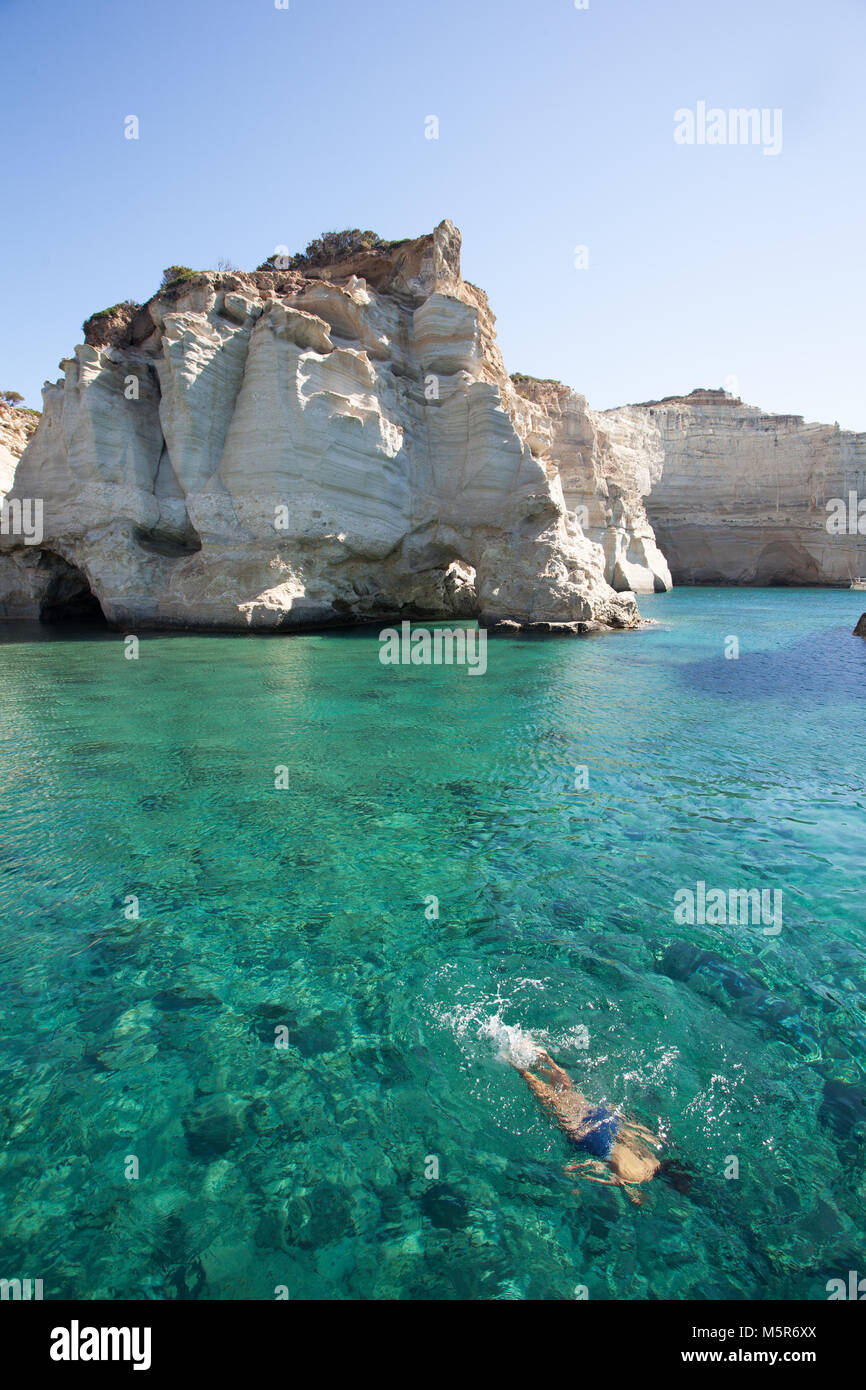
334 246
111 325
329 248
174 274
521 382
113 309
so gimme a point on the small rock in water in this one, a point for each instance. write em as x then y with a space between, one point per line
843 1107
329 1216
445 1207
860 629
170 1000
211 1127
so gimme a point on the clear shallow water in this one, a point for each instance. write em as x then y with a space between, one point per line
306 907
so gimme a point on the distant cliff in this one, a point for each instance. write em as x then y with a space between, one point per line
17 427
743 497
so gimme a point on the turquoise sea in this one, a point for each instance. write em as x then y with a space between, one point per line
146 1043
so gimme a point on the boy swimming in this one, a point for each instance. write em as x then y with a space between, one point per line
609 1142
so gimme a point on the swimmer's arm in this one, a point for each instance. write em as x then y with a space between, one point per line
540 1089
578 1164
557 1075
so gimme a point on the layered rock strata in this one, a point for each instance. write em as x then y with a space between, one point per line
17 427
286 449
739 496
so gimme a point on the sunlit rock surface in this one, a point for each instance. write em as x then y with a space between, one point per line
16 430
606 467
743 497
287 449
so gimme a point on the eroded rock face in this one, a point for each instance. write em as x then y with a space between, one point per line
286 449
16 430
742 497
606 467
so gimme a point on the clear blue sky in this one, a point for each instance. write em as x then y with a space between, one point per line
261 127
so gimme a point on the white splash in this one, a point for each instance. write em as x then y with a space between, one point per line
514 1044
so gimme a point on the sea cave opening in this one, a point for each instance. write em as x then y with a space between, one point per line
68 597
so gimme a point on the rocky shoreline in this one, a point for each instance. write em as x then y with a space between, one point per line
334 439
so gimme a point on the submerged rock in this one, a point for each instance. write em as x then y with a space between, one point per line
709 974
504 626
445 1207
843 1108
212 1126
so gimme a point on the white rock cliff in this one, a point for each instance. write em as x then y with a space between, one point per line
16 429
335 439
607 466
739 496
299 447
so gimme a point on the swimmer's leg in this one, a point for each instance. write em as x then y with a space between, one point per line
642 1132
634 1196
580 1167
630 1192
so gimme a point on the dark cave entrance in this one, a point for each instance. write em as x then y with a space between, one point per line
783 562
68 597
